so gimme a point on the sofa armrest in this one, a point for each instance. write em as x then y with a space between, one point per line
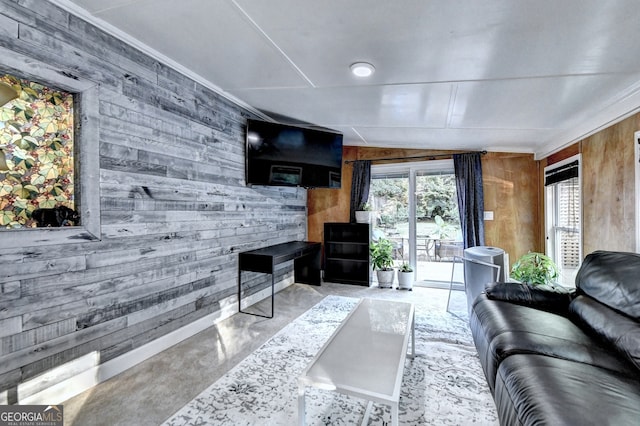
548 298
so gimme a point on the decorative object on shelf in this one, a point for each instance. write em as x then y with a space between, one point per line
55 217
364 214
405 277
535 269
382 261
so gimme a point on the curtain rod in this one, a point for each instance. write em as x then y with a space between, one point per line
428 157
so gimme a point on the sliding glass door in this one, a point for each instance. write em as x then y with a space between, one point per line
416 209
438 234
389 199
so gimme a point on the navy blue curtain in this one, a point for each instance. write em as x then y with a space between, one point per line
360 182
468 170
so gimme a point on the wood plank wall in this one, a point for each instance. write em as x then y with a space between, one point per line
511 188
511 191
174 208
608 188
514 191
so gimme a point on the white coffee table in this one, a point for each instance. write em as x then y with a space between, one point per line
365 356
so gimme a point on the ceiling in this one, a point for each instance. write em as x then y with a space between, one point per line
501 75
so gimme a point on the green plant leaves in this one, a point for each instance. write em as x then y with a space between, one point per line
23 112
24 191
6 114
36 134
5 189
535 268
27 143
49 126
6 217
49 171
37 179
47 204
381 254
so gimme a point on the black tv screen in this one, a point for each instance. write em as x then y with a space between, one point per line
284 155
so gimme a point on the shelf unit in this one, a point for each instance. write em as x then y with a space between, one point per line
346 253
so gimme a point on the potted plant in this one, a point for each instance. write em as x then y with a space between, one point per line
535 269
382 260
405 277
364 213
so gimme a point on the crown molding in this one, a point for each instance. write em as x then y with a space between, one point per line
616 110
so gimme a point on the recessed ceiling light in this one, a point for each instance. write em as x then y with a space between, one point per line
362 69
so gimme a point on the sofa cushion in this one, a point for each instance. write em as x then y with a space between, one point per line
545 297
501 329
612 278
540 390
619 330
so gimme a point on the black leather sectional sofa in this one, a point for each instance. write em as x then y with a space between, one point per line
554 357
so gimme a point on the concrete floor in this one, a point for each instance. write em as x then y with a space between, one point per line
153 390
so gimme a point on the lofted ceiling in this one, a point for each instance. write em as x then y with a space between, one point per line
501 75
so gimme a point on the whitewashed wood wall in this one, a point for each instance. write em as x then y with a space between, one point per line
174 207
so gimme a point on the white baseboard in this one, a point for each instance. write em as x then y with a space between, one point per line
71 379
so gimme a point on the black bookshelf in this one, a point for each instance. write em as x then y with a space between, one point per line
346 253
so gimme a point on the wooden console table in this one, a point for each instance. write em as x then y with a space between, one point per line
306 258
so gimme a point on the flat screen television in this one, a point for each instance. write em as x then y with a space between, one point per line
284 155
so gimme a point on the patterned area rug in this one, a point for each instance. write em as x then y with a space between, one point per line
442 385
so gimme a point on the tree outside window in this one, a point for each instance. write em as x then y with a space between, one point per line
37 138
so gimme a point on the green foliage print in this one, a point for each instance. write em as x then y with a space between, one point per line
36 135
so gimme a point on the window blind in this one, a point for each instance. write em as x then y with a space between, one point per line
561 173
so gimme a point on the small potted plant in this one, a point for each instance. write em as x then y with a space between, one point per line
382 260
405 277
364 213
535 269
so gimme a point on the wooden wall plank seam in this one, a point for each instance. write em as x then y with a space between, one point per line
174 207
